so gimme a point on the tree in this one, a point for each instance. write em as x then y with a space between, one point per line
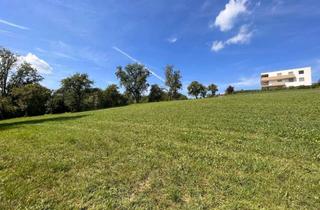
31 99
230 90
195 89
156 94
7 61
112 97
182 97
56 103
173 81
93 99
213 89
134 78
75 88
7 108
203 91
24 75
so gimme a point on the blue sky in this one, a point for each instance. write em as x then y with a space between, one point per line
212 41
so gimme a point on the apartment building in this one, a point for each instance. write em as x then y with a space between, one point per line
287 78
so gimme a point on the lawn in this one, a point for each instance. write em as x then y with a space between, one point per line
246 151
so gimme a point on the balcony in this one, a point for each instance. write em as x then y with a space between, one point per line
280 77
273 84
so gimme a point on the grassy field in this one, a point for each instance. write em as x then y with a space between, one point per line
249 151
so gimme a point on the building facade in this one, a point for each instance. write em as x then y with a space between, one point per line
287 78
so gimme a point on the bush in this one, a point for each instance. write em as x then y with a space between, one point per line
93 99
230 90
31 99
156 94
181 97
112 97
7 109
56 104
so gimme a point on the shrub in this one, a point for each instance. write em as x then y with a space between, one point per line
156 94
31 99
229 90
7 109
56 103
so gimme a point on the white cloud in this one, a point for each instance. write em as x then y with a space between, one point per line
42 66
217 46
13 25
247 82
172 40
227 17
243 37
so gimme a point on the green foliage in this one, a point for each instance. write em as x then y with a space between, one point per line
229 90
24 75
248 151
203 91
7 108
7 61
93 99
173 81
180 96
113 98
134 78
195 89
24 95
213 89
56 103
74 88
156 94
31 99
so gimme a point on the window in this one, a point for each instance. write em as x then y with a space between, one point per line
291 73
264 75
279 80
301 72
301 79
279 74
291 79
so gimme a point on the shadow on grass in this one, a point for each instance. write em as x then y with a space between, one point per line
10 125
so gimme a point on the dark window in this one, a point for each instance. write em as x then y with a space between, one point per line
265 75
301 72
280 80
291 80
301 79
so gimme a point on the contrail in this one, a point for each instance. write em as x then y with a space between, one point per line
135 60
13 25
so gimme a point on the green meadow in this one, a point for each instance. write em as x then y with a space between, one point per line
245 151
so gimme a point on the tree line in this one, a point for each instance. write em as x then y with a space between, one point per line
21 92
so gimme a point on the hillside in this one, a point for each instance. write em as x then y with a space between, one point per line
247 151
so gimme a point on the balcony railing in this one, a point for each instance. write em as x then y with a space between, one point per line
274 84
280 77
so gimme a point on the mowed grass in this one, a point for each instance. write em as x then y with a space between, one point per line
249 151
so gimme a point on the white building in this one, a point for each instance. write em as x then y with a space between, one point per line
287 78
